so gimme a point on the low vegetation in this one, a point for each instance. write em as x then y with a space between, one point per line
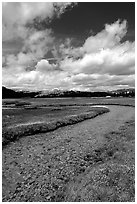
57 167
110 176
17 131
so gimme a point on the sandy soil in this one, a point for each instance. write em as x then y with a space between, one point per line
41 167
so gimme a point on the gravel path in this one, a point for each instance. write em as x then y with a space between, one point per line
40 167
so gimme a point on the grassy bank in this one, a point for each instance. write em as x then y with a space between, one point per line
86 162
56 171
15 132
109 175
18 111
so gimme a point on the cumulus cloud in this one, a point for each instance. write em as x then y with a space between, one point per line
107 38
104 62
16 16
25 12
34 44
95 80
44 66
104 54
38 42
111 61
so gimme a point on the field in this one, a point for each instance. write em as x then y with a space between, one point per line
28 111
28 117
79 161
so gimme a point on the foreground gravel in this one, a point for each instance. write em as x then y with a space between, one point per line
56 166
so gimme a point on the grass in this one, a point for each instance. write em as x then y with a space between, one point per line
39 102
31 116
15 132
46 110
109 182
111 171
16 116
100 173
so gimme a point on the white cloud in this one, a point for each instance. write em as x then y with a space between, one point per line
24 12
38 43
44 66
107 38
16 16
102 63
36 80
35 43
111 56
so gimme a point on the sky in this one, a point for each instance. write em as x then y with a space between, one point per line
68 46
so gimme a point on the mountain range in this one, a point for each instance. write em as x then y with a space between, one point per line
10 93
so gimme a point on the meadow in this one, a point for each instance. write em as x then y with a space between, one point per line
28 117
30 110
53 150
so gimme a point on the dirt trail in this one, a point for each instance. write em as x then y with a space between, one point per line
37 167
